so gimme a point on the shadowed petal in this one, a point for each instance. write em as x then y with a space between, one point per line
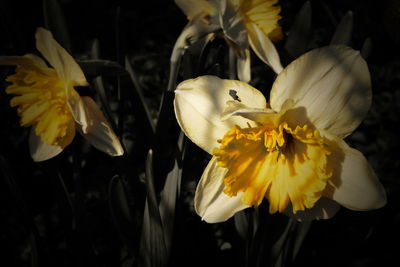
99 133
324 208
192 8
67 68
39 150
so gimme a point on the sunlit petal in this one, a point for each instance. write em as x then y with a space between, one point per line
243 67
332 83
264 48
354 184
199 104
259 115
211 203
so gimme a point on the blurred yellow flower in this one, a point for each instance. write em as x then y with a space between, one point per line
244 23
47 101
290 151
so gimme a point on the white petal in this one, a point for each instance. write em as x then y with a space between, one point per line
243 67
211 203
200 102
77 107
99 133
354 184
67 68
325 208
262 116
264 48
39 150
259 115
192 8
332 84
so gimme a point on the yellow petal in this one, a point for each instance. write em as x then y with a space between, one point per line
262 13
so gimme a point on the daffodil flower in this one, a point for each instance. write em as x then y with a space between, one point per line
47 101
289 151
244 23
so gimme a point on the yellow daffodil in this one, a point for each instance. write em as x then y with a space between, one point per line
289 151
244 23
47 101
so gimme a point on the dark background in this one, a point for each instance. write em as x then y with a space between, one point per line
66 211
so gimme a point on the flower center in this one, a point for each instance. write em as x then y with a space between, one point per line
278 163
42 103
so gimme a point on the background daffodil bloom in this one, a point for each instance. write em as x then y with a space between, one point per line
244 23
290 151
48 102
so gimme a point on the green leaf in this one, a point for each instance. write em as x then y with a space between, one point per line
344 30
120 211
168 203
170 193
297 41
153 252
138 91
279 250
301 233
366 48
96 67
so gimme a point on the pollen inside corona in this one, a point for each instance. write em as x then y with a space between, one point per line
42 103
283 165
